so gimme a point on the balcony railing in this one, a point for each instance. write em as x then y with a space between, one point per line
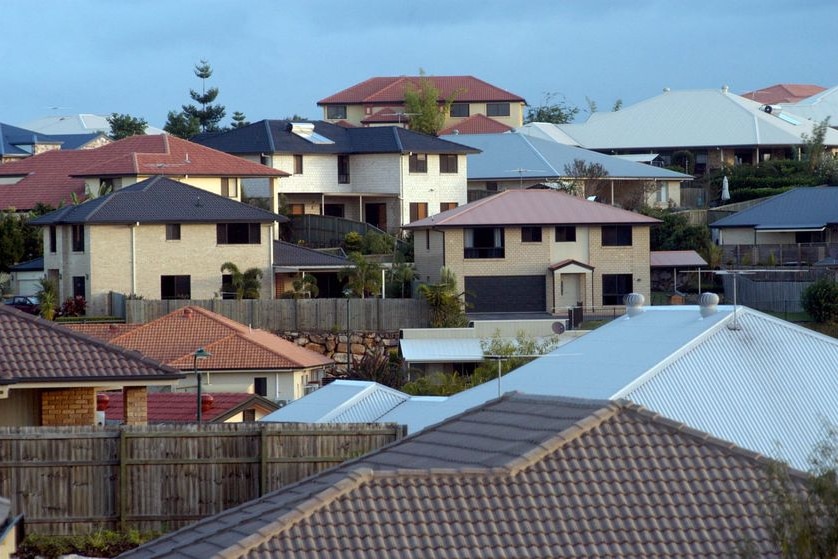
770 255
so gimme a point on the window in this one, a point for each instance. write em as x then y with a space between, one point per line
238 233
448 163
249 415
616 235
497 109
296 209
343 169
229 187
260 386
810 237
565 234
175 287
298 164
530 234
266 160
78 238
173 231
445 206
53 239
335 112
79 286
333 210
418 163
663 193
418 210
483 242
227 289
459 110
491 186
615 287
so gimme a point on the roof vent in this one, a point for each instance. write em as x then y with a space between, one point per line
708 303
725 88
187 313
666 90
634 303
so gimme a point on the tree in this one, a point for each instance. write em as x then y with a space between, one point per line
47 298
125 125
814 150
447 305
305 286
422 104
182 125
11 240
245 285
585 179
208 115
820 300
548 111
675 231
239 120
363 277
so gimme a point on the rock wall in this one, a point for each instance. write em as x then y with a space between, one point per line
334 345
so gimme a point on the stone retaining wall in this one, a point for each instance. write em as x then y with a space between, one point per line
334 344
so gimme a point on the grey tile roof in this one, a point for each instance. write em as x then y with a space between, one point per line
36 350
274 136
291 255
159 200
806 207
521 476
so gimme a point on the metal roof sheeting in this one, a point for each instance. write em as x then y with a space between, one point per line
442 350
811 207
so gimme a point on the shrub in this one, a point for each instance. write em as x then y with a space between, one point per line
820 301
73 306
104 543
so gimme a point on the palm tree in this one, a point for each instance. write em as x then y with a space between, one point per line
447 306
363 277
47 298
245 284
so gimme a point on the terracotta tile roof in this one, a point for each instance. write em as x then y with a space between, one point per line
173 339
179 407
521 476
52 177
387 115
36 350
783 93
568 262
532 207
390 90
476 124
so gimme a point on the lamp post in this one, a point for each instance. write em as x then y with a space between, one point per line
347 292
200 353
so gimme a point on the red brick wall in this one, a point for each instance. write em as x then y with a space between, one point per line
68 406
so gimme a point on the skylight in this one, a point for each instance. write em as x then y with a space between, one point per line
305 130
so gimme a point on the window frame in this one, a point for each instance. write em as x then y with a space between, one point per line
531 234
336 112
616 235
498 109
229 187
460 113
474 248
417 163
173 231
53 239
445 206
418 210
298 164
344 176
77 236
177 281
611 283
448 163
236 230
568 234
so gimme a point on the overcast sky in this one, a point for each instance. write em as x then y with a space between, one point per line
276 58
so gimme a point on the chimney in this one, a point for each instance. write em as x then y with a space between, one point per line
708 303
634 303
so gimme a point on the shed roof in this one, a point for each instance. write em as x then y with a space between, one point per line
800 208
676 259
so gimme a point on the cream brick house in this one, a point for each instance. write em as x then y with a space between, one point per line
158 239
536 251
385 176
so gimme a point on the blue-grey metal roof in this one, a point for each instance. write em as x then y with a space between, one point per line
34 265
517 156
442 350
75 141
289 255
159 200
275 136
13 137
811 207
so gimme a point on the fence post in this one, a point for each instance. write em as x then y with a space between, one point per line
263 460
122 494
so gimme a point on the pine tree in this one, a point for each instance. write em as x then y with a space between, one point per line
208 115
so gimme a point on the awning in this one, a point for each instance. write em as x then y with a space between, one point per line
438 350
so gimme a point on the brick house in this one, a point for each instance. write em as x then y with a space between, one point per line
51 374
536 251
379 101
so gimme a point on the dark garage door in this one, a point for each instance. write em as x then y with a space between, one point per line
505 293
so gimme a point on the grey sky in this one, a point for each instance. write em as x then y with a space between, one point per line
273 58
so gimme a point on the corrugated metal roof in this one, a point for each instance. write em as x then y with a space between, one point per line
799 208
783 93
817 107
439 350
675 258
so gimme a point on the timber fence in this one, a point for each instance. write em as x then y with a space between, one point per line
70 480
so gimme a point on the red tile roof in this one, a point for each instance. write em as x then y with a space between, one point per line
783 93
389 90
52 177
179 407
36 350
532 207
476 124
173 339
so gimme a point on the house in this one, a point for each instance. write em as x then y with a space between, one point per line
518 161
536 251
81 123
818 107
292 262
19 143
60 177
158 239
666 265
718 128
180 407
385 176
11 529
50 374
26 276
783 93
380 101
518 476
243 359
800 215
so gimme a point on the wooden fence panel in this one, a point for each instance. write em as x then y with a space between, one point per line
80 479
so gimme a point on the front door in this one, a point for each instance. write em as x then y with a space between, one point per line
570 290
78 286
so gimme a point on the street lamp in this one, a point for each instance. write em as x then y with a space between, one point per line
200 353
347 292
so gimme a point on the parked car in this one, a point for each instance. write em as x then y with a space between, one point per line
25 303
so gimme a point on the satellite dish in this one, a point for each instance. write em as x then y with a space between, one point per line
558 327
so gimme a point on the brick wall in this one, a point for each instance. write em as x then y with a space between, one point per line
68 406
135 409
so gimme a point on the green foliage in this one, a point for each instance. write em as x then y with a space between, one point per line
11 240
125 125
676 233
381 366
363 278
438 384
245 284
447 305
814 150
427 114
353 242
683 161
182 125
820 301
400 280
377 243
104 543
208 115
549 111
305 286
239 120
47 298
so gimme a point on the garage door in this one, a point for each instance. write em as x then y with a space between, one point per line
506 293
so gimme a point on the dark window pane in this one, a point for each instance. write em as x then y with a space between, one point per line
565 234
615 287
531 234
616 235
497 109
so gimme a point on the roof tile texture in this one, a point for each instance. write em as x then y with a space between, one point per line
390 90
179 407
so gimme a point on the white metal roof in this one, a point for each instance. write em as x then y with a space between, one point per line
817 107
442 350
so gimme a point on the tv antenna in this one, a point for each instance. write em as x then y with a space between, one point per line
399 115
500 358
521 171
736 274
